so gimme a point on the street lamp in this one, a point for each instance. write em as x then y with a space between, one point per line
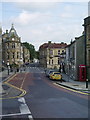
8 66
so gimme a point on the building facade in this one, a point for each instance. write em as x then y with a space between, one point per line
11 47
70 60
50 54
87 45
0 48
75 56
13 51
80 54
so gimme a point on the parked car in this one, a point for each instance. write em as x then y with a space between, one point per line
55 76
48 72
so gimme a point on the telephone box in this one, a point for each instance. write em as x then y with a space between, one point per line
82 73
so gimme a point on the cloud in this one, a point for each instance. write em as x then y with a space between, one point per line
32 0
25 18
37 23
44 1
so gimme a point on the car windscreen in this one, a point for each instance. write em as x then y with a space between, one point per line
50 71
57 73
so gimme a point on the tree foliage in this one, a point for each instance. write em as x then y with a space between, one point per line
31 48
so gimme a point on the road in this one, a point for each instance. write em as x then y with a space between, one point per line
43 99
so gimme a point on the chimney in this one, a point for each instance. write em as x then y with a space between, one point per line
89 8
49 42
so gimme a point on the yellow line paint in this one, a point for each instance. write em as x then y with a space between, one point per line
71 89
10 78
22 90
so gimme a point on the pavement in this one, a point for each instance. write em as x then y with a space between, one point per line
75 85
6 90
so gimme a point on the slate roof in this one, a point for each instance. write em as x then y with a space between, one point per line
53 45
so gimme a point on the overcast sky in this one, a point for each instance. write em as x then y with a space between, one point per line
39 22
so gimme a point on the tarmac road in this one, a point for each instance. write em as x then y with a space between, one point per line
43 99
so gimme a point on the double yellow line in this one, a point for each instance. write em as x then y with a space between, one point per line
20 89
71 89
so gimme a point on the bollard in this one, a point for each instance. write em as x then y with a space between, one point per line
86 83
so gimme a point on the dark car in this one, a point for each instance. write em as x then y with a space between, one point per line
48 72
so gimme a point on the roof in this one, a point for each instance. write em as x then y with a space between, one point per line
53 45
12 32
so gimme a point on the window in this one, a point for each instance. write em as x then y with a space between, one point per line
13 55
58 52
52 61
58 61
73 52
88 32
62 51
17 55
49 62
7 55
13 45
88 57
51 52
17 44
7 45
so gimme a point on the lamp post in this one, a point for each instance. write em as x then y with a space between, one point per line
8 66
21 60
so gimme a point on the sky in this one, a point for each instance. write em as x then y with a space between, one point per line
39 22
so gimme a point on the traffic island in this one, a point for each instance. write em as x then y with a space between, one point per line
11 92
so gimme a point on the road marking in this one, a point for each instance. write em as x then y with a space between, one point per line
7 115
23 106
24 110
30 117
21 99
10 78
23 81
22 90
72 89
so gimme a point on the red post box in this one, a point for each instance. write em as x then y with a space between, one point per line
82 73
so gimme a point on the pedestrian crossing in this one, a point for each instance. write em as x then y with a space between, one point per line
36 70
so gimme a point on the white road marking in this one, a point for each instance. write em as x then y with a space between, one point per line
22 100
24 110
12 114
30 116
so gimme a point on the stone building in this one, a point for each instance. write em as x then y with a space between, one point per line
13 51
87 45
75 56
70 59
11 47
0 48
50 54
